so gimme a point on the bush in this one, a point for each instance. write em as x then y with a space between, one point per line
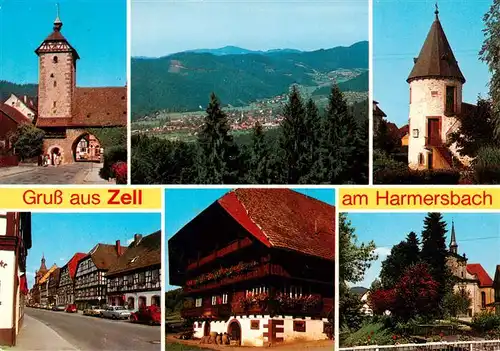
119 170
112 155
487 166
28 141
350 306
486 321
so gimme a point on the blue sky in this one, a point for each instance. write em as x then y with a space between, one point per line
60 236
478 236
182 205
399 31
164 27
96 29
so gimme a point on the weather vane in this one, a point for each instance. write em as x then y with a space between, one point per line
437 9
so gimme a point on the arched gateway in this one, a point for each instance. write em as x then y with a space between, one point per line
87 148
65 111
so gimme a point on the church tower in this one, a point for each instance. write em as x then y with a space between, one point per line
57 75
453 241
435 101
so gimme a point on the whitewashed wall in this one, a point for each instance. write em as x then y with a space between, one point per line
7 289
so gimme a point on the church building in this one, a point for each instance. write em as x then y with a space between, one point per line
471 277
436 104
66 112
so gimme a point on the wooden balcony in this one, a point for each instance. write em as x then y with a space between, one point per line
233 247
211 312
272 308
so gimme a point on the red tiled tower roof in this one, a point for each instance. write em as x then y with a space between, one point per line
483 277
286 219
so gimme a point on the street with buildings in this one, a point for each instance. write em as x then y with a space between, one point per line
50 330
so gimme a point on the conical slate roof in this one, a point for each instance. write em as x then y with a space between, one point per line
436 58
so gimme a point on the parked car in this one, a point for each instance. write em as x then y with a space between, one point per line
58 308
93 311
71 308
149 314
116 312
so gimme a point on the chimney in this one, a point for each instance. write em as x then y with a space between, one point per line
25 98
137 239
118 248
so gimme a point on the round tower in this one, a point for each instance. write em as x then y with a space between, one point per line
435 101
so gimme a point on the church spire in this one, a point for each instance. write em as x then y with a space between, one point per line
436 12
57 23
453 241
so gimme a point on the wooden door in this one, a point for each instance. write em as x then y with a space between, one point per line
433 132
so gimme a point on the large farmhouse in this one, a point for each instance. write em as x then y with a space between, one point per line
258 264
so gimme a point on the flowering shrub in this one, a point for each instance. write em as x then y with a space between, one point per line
120 172
381 300
259 299
222 273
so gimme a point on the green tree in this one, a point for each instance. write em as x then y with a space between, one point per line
28 141
354 259
259 168
310 160
403 255
476 130
340 140
218 154
385 138
293 136
435 253
490 53
456 303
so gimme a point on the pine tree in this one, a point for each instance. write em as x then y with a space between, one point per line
311 158
218 155
293 136
340 140
413 245
259 172
434 251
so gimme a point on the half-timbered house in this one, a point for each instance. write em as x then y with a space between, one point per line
90 277
134 280
65 291
259 265
53 284
15 241
44 286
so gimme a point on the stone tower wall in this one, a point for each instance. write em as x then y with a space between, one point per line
56 85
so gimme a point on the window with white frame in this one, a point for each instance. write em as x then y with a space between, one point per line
295 291
214 300
258 290
224 299
198 302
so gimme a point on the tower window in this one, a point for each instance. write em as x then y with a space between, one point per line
55 59
54 104
55 83
421 158
450 100
52 75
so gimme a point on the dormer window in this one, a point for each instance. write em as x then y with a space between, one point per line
55 59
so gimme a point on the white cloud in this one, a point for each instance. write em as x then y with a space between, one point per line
129 241
62 259
382 252
30 274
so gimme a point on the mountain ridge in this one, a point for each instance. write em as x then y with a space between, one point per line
183 81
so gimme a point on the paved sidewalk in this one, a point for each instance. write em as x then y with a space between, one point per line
92 177
36 336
